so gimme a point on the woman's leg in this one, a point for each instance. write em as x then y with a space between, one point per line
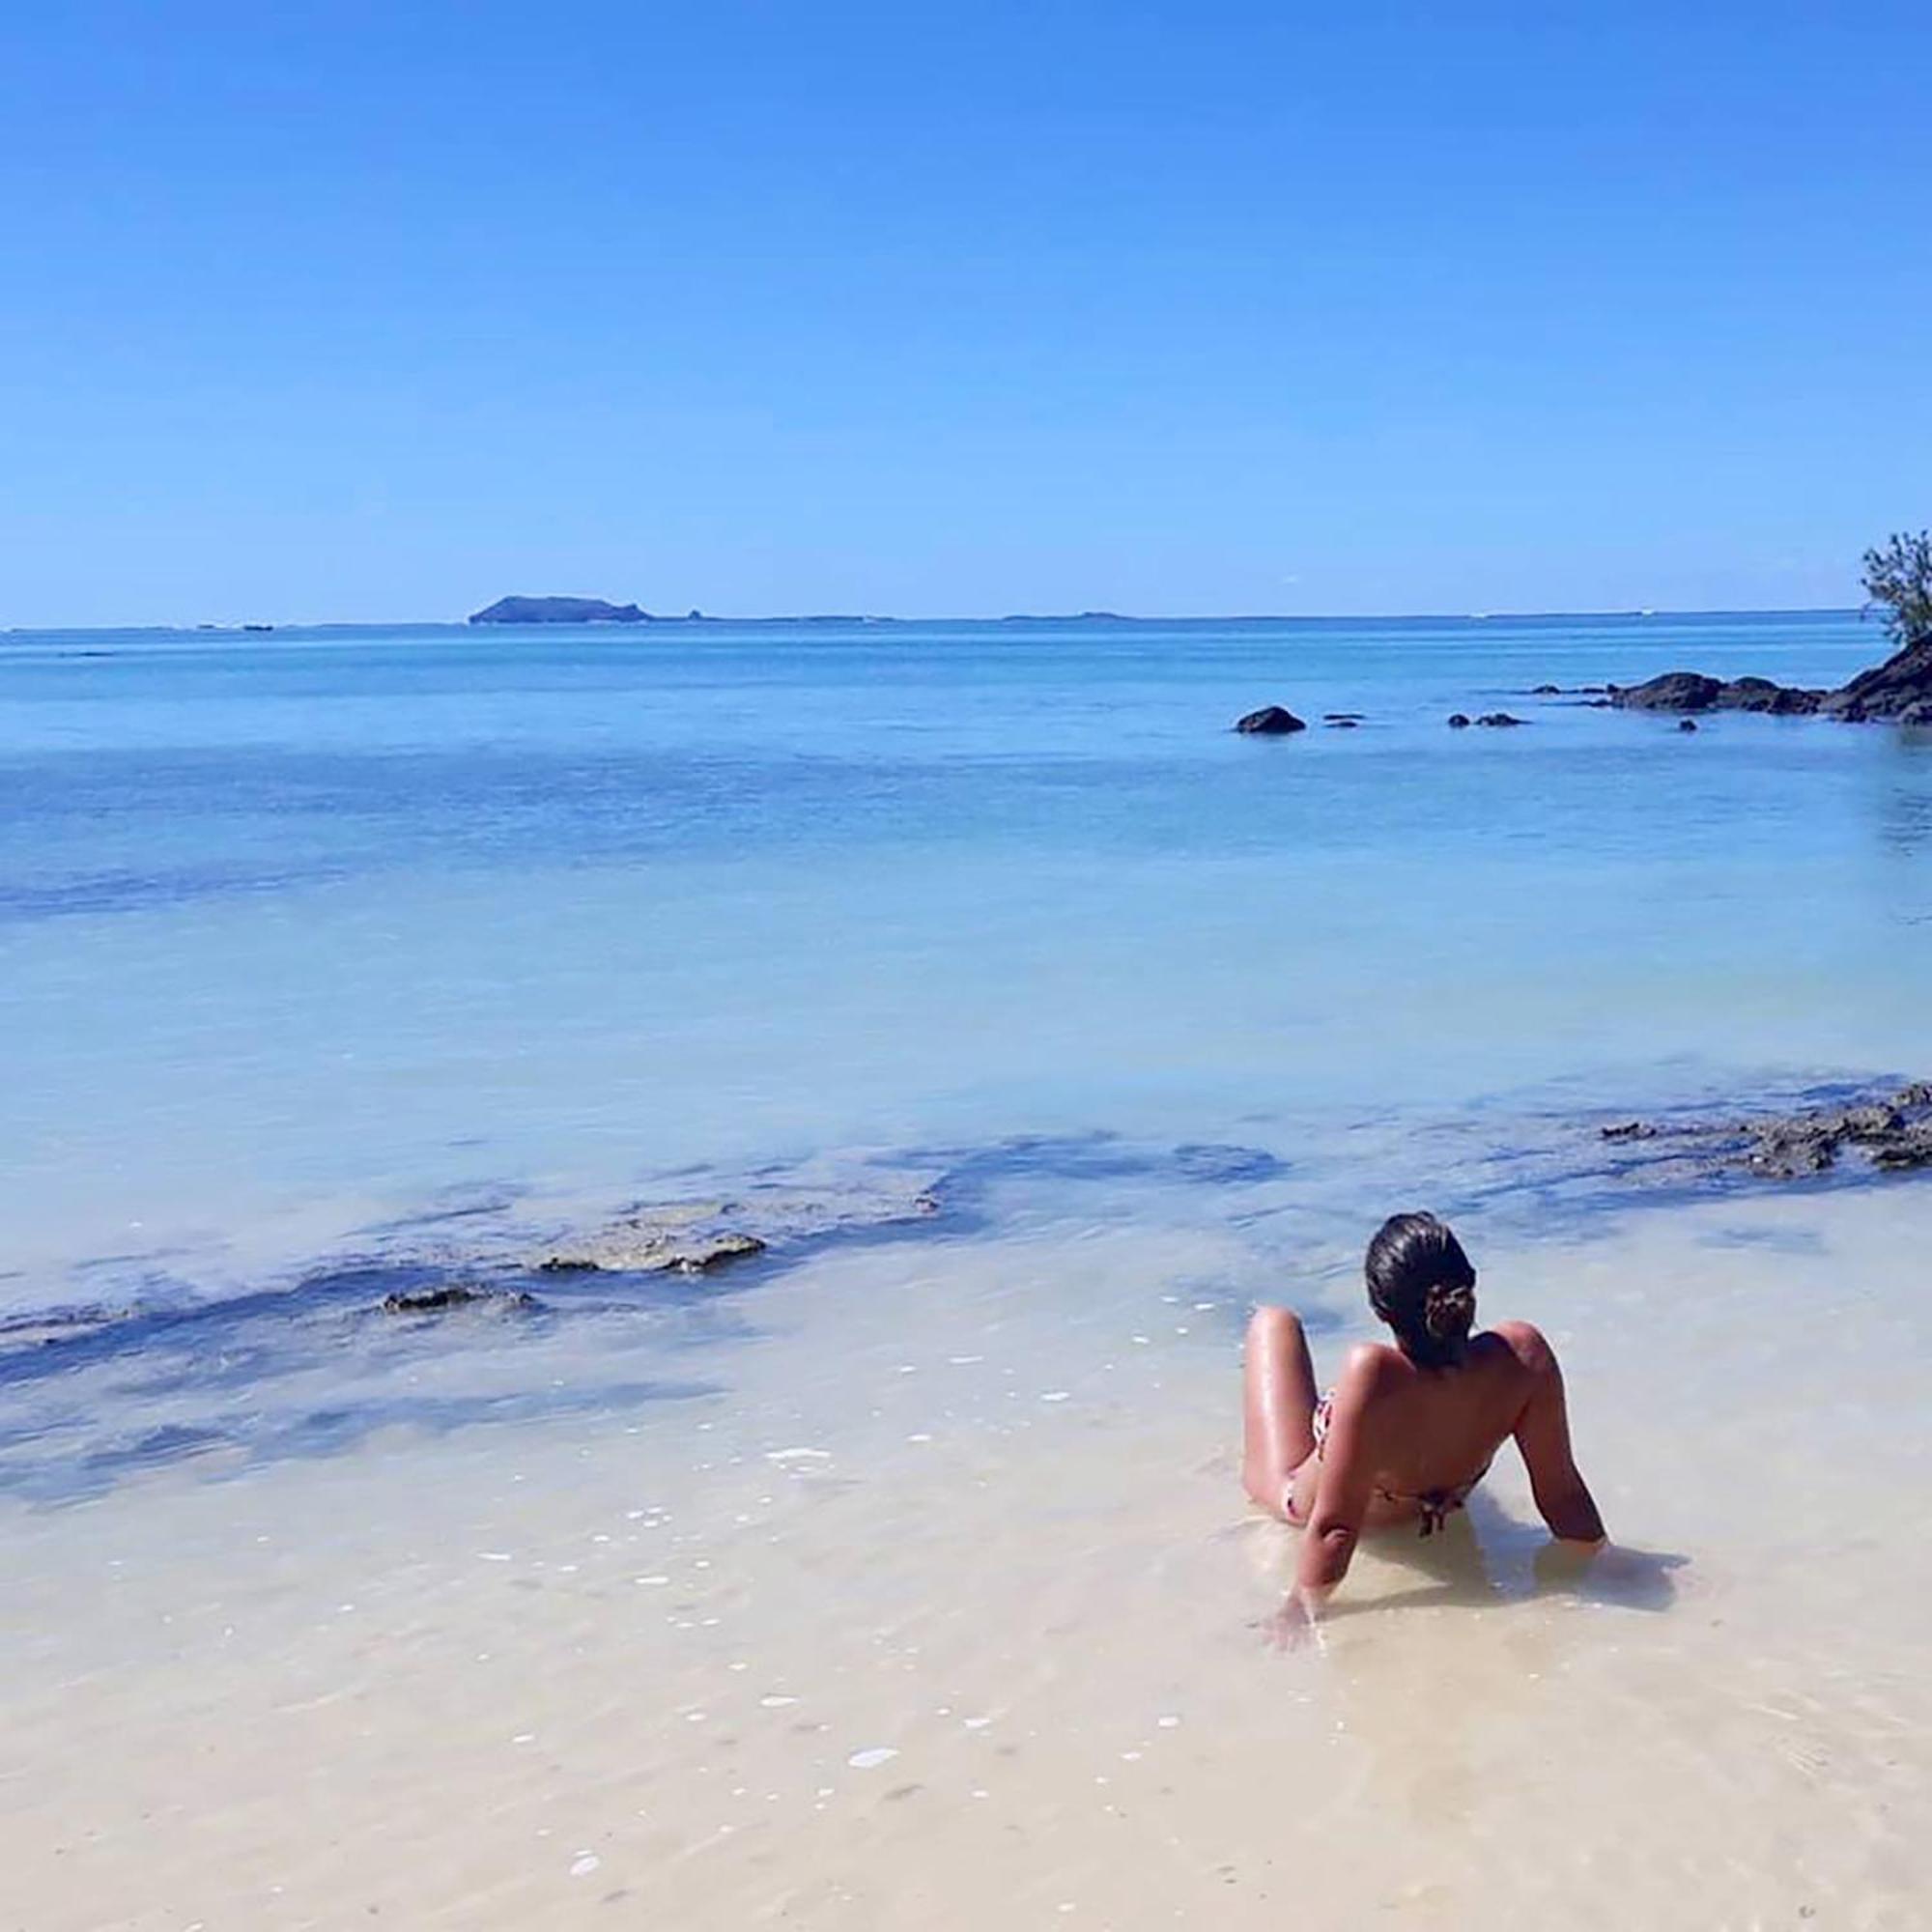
1278 1406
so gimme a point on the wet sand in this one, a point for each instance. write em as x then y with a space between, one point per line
944 1612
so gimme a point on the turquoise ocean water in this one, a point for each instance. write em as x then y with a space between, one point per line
302 931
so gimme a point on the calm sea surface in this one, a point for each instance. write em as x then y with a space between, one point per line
295 926
338 962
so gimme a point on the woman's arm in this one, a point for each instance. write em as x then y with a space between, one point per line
1346 1484
1543 1437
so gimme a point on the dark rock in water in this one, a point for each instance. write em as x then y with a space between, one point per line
1902 683
645 1244
1687 723
558 611
1546 690
1344 724
1458 722
1271 721
1893 1133
456 1294
1692 691
1499 720
1343 716
777 1211
1760 694
1904 1152
1896 689
1792 1148
1674 691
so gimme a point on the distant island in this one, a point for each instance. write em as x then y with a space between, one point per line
558 611
596 611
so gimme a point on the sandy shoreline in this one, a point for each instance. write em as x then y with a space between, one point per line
973 1504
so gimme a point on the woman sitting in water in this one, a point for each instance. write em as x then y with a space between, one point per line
1407 1432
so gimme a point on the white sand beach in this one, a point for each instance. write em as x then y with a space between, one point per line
945 1613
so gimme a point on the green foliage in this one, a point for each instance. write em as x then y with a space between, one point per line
1898 576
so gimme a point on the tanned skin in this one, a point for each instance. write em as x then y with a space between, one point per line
1396 1432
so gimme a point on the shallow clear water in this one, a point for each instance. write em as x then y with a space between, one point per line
293 928
340 962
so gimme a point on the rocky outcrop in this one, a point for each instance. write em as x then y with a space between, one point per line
558 611
1692 691
701 1236
1271 721
1500 721
653 1241
1674 691
1892 1133
1458 721
1900 689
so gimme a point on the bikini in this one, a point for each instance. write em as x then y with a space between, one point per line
1435 1506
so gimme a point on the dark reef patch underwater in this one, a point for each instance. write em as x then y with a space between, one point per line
471 1312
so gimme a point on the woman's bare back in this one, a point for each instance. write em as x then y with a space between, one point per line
1429 1435
1398 1442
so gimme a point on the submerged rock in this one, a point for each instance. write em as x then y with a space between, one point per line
1458 722
1893 1133
1687 723
777 1209
1271 721
1788 1151
456 1294
643 1244
1906 1151
1500 721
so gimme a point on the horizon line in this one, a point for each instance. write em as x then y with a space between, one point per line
694 618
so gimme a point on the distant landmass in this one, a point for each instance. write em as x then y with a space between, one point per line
596 611
558 611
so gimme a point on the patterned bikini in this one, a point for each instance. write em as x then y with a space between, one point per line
1433 1506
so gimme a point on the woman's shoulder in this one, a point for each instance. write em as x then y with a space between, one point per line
1372 1369
1523 1344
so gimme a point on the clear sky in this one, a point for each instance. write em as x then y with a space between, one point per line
353 311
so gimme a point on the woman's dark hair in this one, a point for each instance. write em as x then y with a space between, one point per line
1421 1283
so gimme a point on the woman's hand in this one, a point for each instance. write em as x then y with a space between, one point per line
1295 1626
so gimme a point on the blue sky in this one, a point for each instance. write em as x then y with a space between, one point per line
359 311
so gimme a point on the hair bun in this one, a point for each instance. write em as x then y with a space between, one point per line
1448 1308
